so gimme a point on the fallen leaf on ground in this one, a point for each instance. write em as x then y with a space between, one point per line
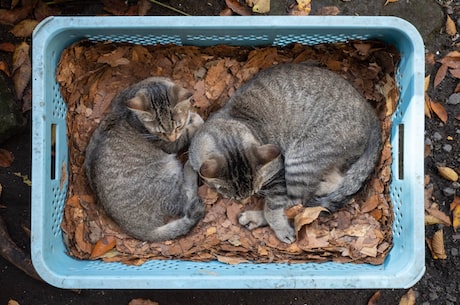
439 110
436 245
25 178
302 8
13 302
448 173
24 28
390 1
142 302
440 75
451 28
328 11
15 15
6 158
261 6
4 68
238 8
7 47
455 208
374 300
408 298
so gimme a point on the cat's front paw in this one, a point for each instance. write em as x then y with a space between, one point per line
195 120
252 219
285 234
195 209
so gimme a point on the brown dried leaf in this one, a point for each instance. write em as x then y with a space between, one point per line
6 158
434 213
21 78
307 216
455 208
439 110
20 55
374 300
24 28
408 298
15 15
238 8
451 28
440 75
328 11
370 204
455 72
143 7
7 47
4 68
142 302
102 246
231 260
436 245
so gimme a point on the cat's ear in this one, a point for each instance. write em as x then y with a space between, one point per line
265 153
138 102
180 94
211 168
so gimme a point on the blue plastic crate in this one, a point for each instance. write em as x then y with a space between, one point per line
403 266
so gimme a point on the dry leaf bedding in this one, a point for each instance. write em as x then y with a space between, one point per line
91 74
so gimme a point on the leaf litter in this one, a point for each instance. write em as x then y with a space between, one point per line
90 74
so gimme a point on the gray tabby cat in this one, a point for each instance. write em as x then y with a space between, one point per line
132 166
292 133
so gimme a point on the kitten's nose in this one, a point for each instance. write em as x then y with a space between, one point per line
172 137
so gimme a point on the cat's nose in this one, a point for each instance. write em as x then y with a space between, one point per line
172 137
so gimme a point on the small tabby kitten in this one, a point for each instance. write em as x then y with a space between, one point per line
132 166
292 133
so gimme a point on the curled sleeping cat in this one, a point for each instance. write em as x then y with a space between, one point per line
294 133
131 161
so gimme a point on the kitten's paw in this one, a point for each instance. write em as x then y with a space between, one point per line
196 209
285 234
252 219
195 120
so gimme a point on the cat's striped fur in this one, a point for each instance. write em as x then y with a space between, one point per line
131 161
294 133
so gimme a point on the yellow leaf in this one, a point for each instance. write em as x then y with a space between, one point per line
427 106
408 298
390 1
455 208
261 7
13 302
303 7
448 173
427 82
436 245
451 29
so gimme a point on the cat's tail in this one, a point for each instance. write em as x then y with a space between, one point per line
356 175
181 226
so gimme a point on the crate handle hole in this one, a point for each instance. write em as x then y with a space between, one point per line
53 152
401 151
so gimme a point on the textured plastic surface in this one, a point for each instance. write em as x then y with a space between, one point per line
403 266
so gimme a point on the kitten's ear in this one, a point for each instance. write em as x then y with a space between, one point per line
211 168
138 102
180 94
266 153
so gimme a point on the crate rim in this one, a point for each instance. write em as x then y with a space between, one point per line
53 26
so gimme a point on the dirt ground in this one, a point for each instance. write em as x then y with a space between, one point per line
440 285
